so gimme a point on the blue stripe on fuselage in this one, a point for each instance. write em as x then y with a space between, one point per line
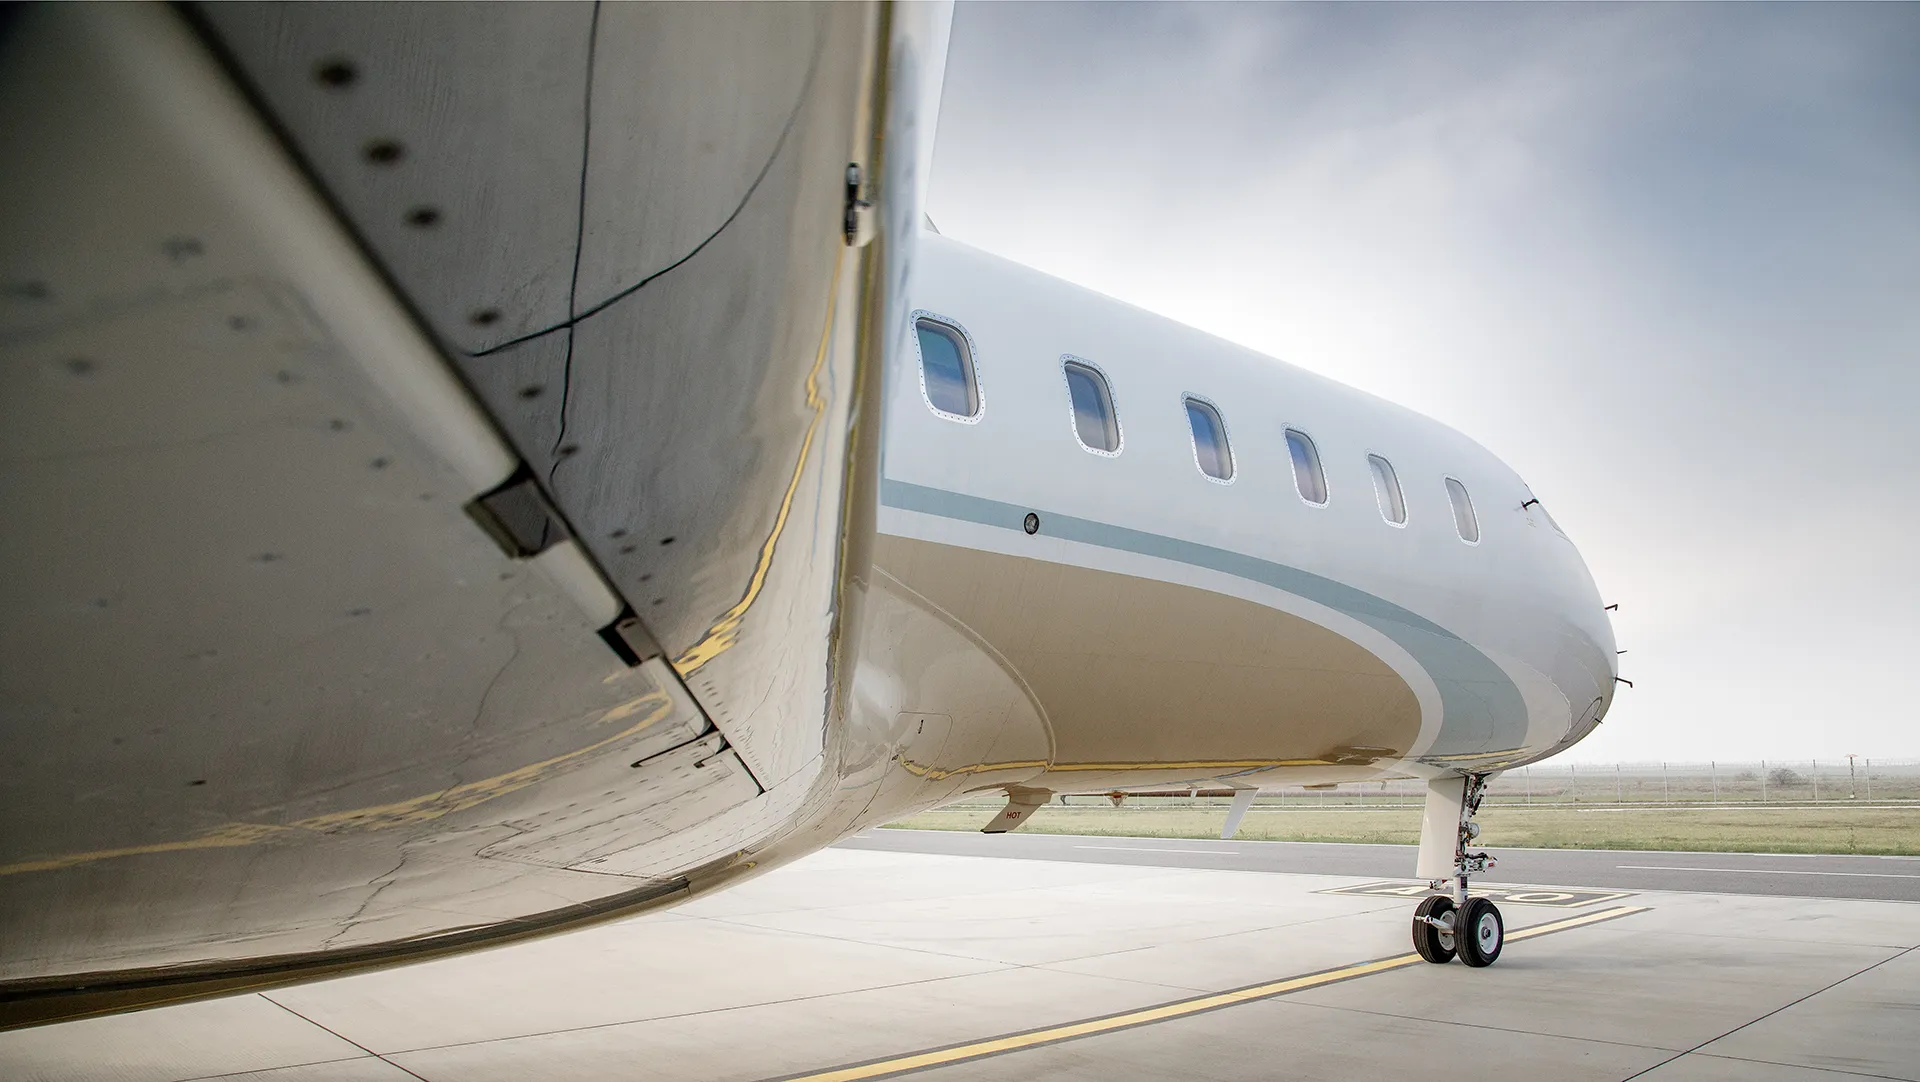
1482 710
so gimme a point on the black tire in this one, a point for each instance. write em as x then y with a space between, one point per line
1481 933
1433 944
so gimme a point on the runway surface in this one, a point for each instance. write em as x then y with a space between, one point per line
1114 963
1784 875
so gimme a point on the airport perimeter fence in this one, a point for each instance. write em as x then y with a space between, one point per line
1861 780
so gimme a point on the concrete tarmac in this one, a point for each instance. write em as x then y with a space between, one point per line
1781 874
862 963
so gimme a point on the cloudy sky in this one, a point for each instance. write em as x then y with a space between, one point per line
1664 260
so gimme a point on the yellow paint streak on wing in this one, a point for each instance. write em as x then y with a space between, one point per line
721 635
419 809
935 773
1165 1011
460 797
225 836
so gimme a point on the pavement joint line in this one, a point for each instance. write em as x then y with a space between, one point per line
1180 1008
336 1033
283 1067
1837 1071
1698 1049
1307 1004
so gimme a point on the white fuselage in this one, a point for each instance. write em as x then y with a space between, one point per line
1170 627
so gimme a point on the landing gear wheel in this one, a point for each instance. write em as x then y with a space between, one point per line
1434 944
1479 932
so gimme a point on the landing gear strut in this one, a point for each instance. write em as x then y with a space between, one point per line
1445 925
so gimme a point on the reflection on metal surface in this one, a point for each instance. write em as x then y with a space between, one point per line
921 770
720 637
423 808
343 726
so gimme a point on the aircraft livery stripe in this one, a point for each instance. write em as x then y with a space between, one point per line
1482 710
1014 1042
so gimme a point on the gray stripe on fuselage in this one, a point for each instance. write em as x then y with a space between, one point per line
1482 709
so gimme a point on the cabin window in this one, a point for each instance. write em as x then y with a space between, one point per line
1094 420
1308 477
1463 519
1386 491
1210 448
946 369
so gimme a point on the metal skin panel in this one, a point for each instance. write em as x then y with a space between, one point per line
271 690
1509 632
485 104
663 795
660 260
254 570
649 61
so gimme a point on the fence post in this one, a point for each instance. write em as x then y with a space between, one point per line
1618 798
1816 781
1763 781
1715 775
1666 797
1527 772
1869 780
1573 786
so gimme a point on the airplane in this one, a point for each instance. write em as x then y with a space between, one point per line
480 470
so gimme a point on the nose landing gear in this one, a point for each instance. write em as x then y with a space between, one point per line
1443 925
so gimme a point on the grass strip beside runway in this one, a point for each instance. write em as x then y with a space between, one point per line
1831 828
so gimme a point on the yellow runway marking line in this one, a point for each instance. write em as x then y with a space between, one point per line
940 1057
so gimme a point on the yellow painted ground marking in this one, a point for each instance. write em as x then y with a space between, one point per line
1178 1009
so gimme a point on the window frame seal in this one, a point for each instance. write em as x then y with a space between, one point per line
1193 443
973 364
1478 533
1406 508
1293 469
1113 403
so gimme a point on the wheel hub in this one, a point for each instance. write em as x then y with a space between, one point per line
1487 931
